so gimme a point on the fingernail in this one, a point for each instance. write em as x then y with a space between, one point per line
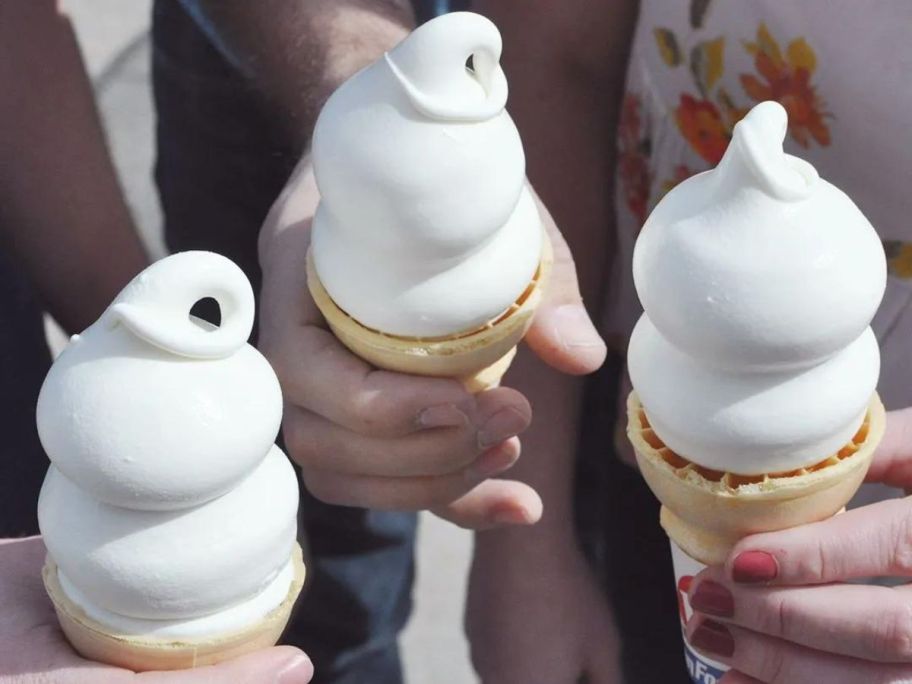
713 599
508 515
444 415
574 327
713 638
751 567
297 671
490 463
506 423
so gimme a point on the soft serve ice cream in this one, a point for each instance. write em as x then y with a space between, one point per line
759 280
167 508
426 227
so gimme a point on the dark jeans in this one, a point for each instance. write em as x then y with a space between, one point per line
24 361
618 522
220 166
219 169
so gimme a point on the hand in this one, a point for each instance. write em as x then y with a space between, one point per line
377 439
779 612
535 614
33 649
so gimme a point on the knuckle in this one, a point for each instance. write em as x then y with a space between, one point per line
765 658
323 487
778 618
811 566
775 670
893 636
368 415
302 447
901 534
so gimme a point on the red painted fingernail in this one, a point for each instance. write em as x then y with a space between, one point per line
713 599
713 638
752 567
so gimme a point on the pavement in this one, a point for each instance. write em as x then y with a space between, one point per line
113 35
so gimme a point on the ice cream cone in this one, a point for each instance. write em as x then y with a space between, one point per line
96 642
478 359
706 512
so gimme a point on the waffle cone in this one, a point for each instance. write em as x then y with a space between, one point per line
707 512
478 359
96 642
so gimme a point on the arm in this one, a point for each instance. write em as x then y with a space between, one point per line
566 72
362 437
297 52
785 608
33 649
62 214
398 441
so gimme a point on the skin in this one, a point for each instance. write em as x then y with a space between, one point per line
33 649
566 64
806 624
62 213
402 442
398 442
62 216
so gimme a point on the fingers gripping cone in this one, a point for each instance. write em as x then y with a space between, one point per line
707 512
755 405
428 253
168 549
95 641
478 359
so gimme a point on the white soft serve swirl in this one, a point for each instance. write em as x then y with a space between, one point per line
425 227
167 500
759 281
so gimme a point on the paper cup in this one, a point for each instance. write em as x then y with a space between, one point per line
702 670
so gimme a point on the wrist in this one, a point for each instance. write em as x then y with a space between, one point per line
537 543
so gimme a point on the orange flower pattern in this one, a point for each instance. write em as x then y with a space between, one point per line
787 79
681 173
633 157
706 118
702 126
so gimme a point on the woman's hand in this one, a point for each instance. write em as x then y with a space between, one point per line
34 650
377 439
536 614
779 612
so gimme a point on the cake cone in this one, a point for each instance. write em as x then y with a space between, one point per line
707 512
478 359
96 642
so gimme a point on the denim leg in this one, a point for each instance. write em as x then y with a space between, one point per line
24 361
618 523
359 597
219 167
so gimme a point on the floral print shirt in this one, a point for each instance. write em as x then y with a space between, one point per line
843 71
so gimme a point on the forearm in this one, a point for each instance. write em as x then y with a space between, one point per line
566 75
297 52
62 213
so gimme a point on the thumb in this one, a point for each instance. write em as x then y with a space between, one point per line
892 464
562 334
871 541
494 503
280 665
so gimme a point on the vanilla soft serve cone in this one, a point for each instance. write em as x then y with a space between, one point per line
169 515
754 367
428 251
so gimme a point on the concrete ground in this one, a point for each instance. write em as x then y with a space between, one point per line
115 43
